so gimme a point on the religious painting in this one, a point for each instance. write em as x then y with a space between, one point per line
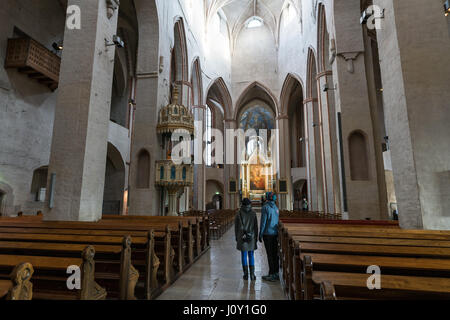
257 117
257 178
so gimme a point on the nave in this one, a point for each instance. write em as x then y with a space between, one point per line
217 275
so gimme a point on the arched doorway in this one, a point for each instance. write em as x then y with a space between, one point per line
39 184
256 119
214 195
2 203
113 195
300 193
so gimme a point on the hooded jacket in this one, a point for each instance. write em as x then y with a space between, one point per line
250 224
269 219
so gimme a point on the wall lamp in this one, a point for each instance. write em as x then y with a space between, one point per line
327 88
115 42
57 47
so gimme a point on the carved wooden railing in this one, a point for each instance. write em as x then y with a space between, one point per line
33 59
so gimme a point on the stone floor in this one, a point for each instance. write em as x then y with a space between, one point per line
217 275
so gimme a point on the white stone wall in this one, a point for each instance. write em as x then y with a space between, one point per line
26 106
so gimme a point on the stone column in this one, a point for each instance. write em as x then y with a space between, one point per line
199 169
231 170
185 89
352 100
284 169
173 201
80 132
329 131
311 154
414 52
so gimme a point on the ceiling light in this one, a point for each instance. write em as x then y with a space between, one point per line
255 22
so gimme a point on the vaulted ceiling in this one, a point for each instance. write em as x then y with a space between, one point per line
238 12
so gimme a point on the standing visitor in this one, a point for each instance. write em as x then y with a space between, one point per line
269 233
305 204
246 233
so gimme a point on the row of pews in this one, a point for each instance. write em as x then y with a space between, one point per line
119 257
220 221
309 215
331 259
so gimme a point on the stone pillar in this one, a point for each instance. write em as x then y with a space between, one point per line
231 171
185 89
311 154
329 132
199 169
352 100
414 52
80 132
284 168
173 201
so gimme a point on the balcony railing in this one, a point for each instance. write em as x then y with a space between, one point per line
33 59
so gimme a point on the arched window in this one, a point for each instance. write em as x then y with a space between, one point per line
359 164
184 173
173 173
208 137
143 171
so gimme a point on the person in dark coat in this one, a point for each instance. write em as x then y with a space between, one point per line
269 233
246 224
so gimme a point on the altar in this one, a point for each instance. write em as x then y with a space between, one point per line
257 176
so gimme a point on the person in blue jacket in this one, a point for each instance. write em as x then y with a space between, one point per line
269 233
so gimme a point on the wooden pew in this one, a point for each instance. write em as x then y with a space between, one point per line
49 281
340 285
428 278
119 277
350 241
100 232
195 232
142 255
20 286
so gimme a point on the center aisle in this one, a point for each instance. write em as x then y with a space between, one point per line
217 275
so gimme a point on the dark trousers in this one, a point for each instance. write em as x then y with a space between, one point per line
271 244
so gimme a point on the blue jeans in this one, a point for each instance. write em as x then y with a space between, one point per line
251 258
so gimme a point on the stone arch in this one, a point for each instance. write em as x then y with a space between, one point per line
358 155
113 194
292 97
223 94
148 22
290 81
312 71
247 95
323 40
197 83
180 60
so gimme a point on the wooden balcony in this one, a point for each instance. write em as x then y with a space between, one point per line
34 60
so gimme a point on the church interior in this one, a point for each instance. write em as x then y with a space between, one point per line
132 130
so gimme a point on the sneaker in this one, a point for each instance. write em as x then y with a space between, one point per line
276 277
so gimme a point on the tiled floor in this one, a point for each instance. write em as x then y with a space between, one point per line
217 275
